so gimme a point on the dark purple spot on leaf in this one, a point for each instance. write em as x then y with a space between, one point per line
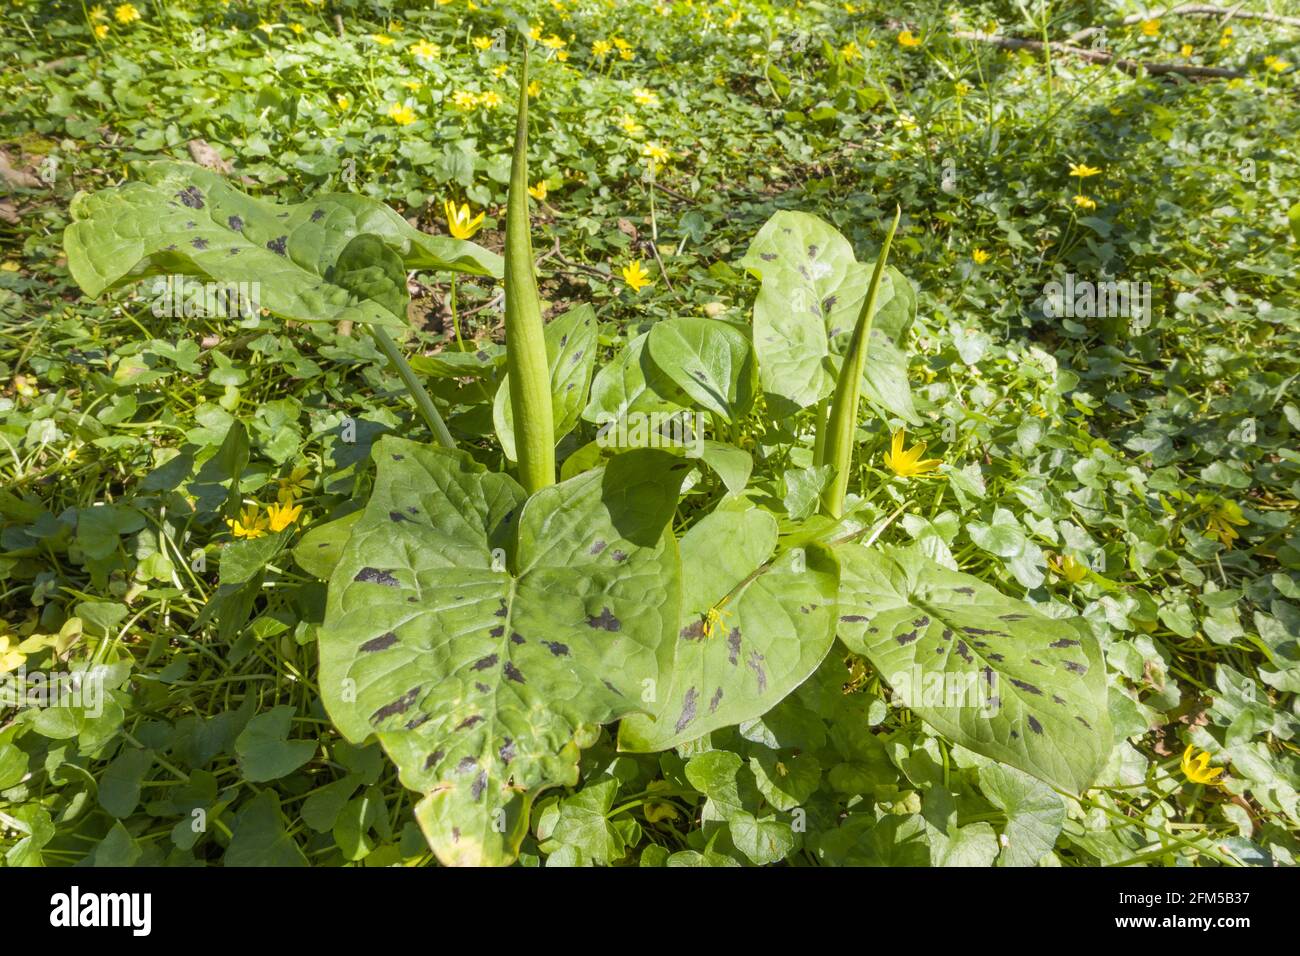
376 576
605 621
399 706
513 673
382 642
483 663
688 709
1026 686
190 196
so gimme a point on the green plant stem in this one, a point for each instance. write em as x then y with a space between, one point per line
423 403
455 313
526 363
842 422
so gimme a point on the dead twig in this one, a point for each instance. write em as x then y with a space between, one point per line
1101 58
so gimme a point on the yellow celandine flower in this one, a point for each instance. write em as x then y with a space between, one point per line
908 464
635 276
962 88
1225 40
464 100
343 101
1072 570
250 524
9 266
1197 769
538 191
101 30
125 13
1150 28
1222 519
401 114
554 43
23 386
297 28
425 50
534 88
280 516
459 223
630 126
10 657
491 99
97 13
645 97
294 485
850 52
980 256
732 20
413 85
1083 170
383 39
500 70
909 39
601 49
1187 50
1083 202
1275 64
269 28
482 43
655 153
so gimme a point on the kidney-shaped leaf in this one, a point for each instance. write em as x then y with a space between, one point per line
987 671
479 637
750 632
180 219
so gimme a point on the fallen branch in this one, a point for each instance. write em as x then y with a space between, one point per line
1100 57
1191 10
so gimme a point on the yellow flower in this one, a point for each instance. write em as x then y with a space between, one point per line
1187 50
491 99
1197 769
1222 519
1083 170
850 52
343 101
645 97
1083 202
635 276
97 13
907 464
553 42
383 39
1150 28
9 266
655 153
464 100
401 114
535 33
907 38
282 515
297 28
23 387
10 657
601 49
459 223
483 43
425 50
413 85
500 70
534 88
1275 64
1067 567
101 30
538 191
126 13
630 126
961 88
294 485
250 523
980 256
269 28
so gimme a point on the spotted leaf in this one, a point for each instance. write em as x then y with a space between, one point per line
988 672
480 638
